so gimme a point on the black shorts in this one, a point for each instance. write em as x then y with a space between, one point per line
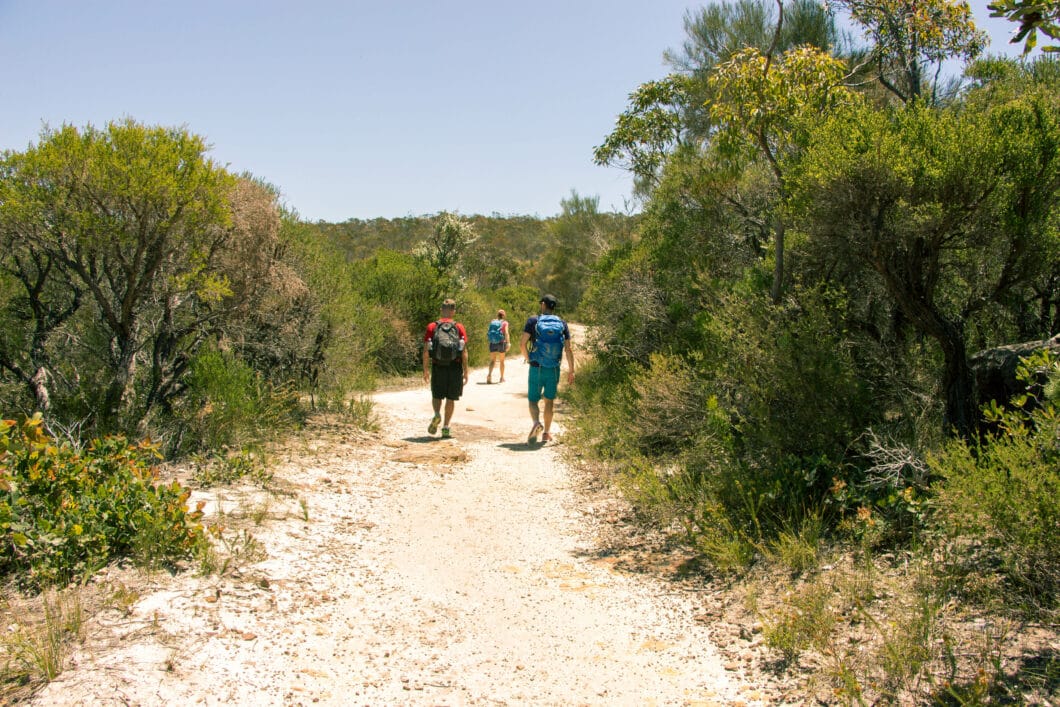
447 382
499 347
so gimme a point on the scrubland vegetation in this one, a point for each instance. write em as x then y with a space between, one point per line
785 340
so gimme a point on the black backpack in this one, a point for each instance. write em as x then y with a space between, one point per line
445 344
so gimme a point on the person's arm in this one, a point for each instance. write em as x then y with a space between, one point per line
463 357
427 357
507 337
568 350
523 341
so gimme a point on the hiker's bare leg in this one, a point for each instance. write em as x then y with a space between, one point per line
449 405
436 403
548 415
500 358
535 413
489 375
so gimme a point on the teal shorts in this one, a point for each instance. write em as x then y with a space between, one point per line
542 383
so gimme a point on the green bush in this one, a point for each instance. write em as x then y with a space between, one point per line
228 404
998 503
64 513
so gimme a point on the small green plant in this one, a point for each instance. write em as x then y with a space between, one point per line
796 549
907 645
304 505
227 552
122 598
229 404
220 469
360 412
804 620
260 511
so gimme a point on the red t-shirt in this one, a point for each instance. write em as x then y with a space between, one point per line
430 331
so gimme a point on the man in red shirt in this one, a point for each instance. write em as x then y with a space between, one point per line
445 365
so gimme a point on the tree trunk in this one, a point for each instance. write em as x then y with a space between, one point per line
960 412
912 297
39 386
778 264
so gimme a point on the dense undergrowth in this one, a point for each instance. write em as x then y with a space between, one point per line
928 577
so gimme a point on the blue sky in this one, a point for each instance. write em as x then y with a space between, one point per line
357 109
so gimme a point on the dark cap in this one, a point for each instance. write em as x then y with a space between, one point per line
550 301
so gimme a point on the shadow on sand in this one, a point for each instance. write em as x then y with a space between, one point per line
422 439
521 446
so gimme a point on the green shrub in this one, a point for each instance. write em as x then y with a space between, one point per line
401 283
228 404
64 512
218 469
998 503
805 620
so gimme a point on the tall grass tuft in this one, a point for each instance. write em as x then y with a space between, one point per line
38 652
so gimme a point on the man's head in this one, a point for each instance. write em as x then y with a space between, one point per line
448 307
548 303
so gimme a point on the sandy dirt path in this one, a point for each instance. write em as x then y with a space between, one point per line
402 569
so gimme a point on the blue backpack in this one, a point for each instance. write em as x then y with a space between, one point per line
495 334
548 341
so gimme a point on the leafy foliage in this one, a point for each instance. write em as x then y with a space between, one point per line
910 36
125 251
1032 17
949 210
228 404
64 513
763 422
999 499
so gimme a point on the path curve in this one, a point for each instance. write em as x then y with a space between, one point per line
408 570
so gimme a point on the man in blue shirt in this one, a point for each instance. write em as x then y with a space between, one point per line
545 342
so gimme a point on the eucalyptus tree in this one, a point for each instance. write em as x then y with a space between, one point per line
746 71
119 263
673 111
577 237
911 39
953 212
760 103
449 239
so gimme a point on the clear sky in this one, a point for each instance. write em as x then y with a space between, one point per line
357 108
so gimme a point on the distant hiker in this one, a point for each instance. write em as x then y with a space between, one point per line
545 341
445 365
500 342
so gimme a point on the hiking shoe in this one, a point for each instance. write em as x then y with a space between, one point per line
546 437
534 432
445 433
433 427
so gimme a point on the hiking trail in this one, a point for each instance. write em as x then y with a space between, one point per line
401 569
